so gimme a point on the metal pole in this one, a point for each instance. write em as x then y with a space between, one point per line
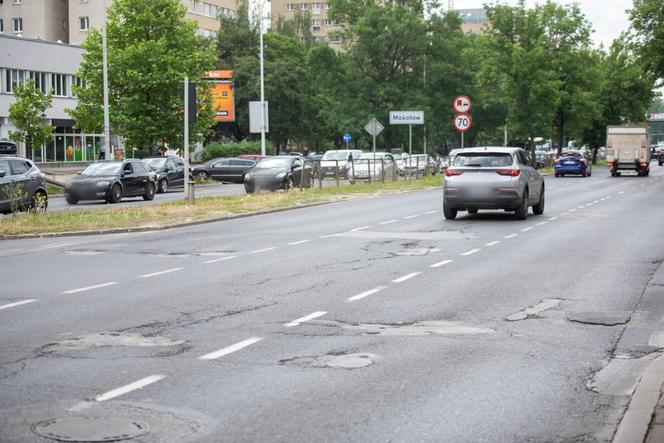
461 139
262 82
186 138
107 119
425 138
505 136
410 139
374 155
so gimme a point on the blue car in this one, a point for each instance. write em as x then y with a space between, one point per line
573 163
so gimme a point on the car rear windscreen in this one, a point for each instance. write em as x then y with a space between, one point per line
483 159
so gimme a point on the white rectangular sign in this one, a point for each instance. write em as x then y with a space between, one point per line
255 117
406 117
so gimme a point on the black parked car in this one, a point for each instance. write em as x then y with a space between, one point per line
7 147
170 172
21 183
112 180
280 172
224 169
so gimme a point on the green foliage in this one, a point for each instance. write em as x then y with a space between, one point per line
28 113
647 18
214 150
16 196
151 47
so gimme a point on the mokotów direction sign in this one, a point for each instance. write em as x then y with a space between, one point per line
462 122
462 104
406 117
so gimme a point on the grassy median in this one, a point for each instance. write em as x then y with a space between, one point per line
170 213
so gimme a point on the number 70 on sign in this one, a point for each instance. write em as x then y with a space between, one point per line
462 122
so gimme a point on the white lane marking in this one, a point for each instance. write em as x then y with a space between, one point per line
581 207
621 192
440 263
406 277
89 288
541 223
511 235
493 243
596 201
608 197
62 245
230 349
13 250
217 260
388 222
527 229
472 251
366 293
553 219
567 184
360 228
332 235
167 271
301 242
589 204
306 318
431 212
602 199
258 251
411 216
139 384
18 303
572 210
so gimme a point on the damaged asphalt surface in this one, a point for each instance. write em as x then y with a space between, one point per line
540 336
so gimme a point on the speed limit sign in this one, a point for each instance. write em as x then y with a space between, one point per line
462 122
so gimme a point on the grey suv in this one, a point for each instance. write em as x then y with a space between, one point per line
493 178
22 185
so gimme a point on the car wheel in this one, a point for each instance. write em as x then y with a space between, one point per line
521 212
163 185
149 192
39 202
202 175
472 211
449 213
290 184
538 209
584 173
116 194
557 175
590 172
71 200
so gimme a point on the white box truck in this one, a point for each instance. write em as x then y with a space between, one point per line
628 149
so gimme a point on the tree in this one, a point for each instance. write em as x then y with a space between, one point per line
151 47
647 18
28 113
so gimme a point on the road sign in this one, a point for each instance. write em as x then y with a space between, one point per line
374 127
406 117
255 121
347 137
462 104
462 122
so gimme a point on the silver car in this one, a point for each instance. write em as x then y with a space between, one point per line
493 178
381 167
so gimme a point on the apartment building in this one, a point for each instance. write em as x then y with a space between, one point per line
473 20
322 27
41 19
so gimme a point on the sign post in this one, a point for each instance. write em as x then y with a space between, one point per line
409 118
347 138
374 127
462 121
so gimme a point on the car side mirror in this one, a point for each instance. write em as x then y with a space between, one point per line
539 165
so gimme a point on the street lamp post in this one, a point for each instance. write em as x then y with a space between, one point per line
260 30
107 121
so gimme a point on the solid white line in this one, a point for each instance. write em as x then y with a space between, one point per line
88 288
130 387
366 293
431 212
217 260
360 228
18 303
493 243
406 277
472 251
58 245
411 216
230 349
154 274
541 224
553 218
527 229
389 222
305 319
257 251
299 242
440 263
511 235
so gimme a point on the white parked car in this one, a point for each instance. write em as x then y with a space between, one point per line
338 162
381 167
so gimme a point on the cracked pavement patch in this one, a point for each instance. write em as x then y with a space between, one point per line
109 339
334 360
544 305
409 329
601 318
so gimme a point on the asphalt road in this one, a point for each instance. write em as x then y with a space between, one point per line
368 320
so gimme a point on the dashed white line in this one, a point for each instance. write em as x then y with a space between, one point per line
332 235
366 293
596 201
541 223
406 277
230 349
217 260
527 229
511 235
139 384
431 212
258 251
360 228
411 216
18 303
581 207
621 192
553 219
167 271
304 319
89 288
388 222
572 210
472 251
493 243
62 245
441 263
301 242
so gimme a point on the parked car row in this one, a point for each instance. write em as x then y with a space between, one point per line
22 185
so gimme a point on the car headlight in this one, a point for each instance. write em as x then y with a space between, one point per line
103 184
247 176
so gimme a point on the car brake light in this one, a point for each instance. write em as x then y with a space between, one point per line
582 160
451 172
644 165
609 164
510 172
557 160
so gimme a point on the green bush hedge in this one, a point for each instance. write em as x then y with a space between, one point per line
214 150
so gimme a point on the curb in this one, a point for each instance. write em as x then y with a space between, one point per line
634 425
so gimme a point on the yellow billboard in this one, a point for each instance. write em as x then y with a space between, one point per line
223 100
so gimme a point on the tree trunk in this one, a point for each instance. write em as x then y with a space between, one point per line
561 130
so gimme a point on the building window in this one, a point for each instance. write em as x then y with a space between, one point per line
316 8
40 80
17 24
303 6
315 24
2 26
17 2
84 23
327 6
289 6
14 77
79 82
328 22
82 1
59 85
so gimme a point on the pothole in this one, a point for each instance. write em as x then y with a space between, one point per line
601 318
544 305
110 339
85 429
417 252
411 329
340 361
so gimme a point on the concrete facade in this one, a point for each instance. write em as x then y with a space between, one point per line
322 28
474 20
44 19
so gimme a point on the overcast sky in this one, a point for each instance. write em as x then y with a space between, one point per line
608 17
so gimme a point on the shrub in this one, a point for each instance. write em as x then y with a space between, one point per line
214 150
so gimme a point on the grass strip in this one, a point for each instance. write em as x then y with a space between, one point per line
171 213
